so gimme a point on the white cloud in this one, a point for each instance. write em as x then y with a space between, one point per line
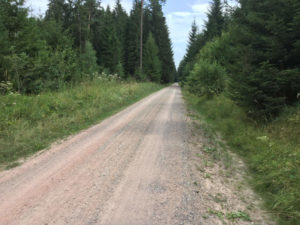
181 14
199 7
180 25
37 7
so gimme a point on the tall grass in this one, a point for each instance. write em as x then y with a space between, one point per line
31 123
271 151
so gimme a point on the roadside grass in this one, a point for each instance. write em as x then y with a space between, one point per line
31 123
270 150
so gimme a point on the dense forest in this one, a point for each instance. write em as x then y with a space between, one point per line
241 73
78 40
249 52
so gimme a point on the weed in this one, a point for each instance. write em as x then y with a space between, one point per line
217 213
205 217
210 149
207 175
238 215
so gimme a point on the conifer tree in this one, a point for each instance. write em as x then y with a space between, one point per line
191 43
160 32
56 11
152 65
120 19
215 21
88 60
132 46
109 45
264 72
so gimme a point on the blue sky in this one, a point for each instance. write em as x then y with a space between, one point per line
179 14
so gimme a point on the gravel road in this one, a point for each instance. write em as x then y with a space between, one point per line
129 169
146 165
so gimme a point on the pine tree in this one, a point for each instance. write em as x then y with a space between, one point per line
152 65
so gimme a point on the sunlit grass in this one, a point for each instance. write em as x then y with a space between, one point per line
31 123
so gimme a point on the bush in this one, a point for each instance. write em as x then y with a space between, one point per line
206 79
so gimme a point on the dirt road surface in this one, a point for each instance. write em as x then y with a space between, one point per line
132 168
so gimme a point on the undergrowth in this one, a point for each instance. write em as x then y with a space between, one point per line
271 151
31 123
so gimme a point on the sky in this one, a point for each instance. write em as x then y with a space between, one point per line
179 14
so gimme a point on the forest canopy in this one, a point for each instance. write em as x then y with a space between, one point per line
78 40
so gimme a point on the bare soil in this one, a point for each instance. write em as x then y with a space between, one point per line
145 165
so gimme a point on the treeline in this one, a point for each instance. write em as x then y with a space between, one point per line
250 52
76 40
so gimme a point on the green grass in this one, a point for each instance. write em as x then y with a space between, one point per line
271 151
31 123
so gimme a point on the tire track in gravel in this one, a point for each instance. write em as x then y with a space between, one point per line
125 170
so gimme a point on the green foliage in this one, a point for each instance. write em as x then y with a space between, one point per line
206 79
88 60
271 151
213 28
238 215
263 72
158 27
120 70
215 23
31 123
208 74
110 45
74 40
132 47
152 65
259 52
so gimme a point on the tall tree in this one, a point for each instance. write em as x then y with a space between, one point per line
152 65
132 46
215 20
195 43
56 11
109 45
161 35
121 19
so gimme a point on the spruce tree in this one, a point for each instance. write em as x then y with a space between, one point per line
152 64
120 19
88 60
264 72
215 20
161 35
110 46
191 43
56 11
132 46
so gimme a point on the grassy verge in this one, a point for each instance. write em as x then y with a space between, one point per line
31 123
271 151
